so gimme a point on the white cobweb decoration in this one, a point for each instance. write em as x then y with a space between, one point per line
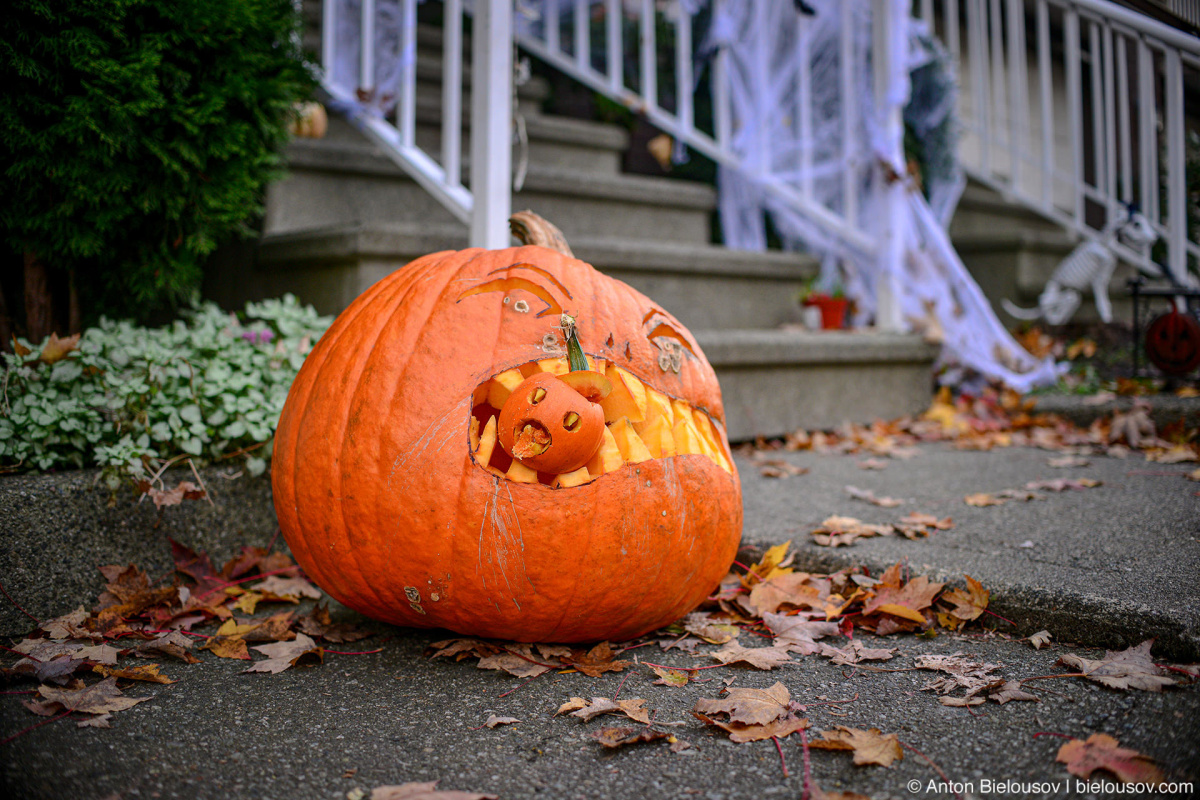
767 50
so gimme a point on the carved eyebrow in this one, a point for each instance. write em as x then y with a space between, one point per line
664 329
508 284
539 271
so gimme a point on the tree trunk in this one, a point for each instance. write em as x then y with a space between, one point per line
6 325
39 304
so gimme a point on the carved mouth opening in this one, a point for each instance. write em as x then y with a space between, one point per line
641 423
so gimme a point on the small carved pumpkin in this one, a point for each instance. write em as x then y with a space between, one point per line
407 490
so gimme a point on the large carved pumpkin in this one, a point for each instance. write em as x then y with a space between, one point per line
396 497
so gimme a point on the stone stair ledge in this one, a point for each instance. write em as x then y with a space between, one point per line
776 381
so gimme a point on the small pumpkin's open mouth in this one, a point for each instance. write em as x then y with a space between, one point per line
640 424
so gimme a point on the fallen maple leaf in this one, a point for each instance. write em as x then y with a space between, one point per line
757 657
598 660
855 652
778 468
1177 454
99 698
318 623
143 672
184 490
869 497
619 737
749 706
1068 462
494 721
1039 640
871 746
281 655
797 634
962 672
964 605
1063 484
291 588
68 626
703 625
982 500
425 791
1128 669
57 349
1101 751
517 660
589 710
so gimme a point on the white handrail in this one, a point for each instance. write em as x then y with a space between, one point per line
1107 80
1064 101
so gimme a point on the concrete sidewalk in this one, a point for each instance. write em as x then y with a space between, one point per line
1110 565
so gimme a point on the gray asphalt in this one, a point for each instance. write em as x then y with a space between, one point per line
1110 565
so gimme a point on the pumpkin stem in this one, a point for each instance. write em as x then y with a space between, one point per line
529 228
575 357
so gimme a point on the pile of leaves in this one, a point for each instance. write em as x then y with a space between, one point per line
994 418
127 398
137 624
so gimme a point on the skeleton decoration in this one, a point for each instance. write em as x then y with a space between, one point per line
1090 265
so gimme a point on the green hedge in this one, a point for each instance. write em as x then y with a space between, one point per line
135 135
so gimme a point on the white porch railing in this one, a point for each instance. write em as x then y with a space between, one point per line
1074 107
1071 106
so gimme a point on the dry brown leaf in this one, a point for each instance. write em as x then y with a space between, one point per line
961 702
928 520
793 589
598 660
57 349
757 657
99 698
855 652
184 490
319 624
290 588
749 706
702 625
281 655
869 497
587 710
1068 462
775 729
1178 454
1102 751
143 672
1039 640
493 721
964 605
961 671
798 634
871 746
517 660
68 626
619 737
1062 484
1127 669
983 500
778 468
1011 690
425 791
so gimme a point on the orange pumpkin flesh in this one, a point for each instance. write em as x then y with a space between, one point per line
396 509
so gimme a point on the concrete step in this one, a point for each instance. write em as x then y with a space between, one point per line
339 182
775 381
704 286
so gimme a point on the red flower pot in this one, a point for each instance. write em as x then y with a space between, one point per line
833 310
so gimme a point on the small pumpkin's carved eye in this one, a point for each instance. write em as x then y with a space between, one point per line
571 421
537 396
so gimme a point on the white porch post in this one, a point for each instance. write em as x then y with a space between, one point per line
890 45
491 123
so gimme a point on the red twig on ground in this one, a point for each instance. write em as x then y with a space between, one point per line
782 762
36 621
933 764
35 726
807 772
997 616
621 685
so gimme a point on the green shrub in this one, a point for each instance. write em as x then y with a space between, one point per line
135 135
125 397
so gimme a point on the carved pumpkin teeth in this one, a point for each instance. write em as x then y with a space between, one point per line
642 423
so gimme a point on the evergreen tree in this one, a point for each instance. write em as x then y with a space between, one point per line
136 135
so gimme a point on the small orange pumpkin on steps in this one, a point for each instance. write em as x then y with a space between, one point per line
418 480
